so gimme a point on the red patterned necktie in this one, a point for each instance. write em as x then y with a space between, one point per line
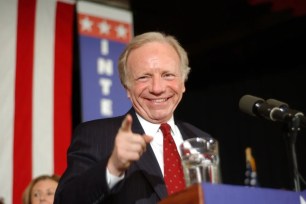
173 170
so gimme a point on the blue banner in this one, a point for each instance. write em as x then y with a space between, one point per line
103 34
223 194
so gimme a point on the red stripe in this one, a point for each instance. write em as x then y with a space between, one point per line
23 98
62 84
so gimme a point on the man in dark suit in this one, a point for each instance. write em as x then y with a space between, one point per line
120 160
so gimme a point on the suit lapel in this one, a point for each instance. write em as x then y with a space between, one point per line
149 165
185 132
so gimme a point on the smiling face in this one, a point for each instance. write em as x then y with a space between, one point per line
155 83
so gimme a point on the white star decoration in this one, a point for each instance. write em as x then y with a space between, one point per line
121 31
104 27
86 24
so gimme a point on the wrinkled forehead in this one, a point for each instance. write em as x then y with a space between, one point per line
153 51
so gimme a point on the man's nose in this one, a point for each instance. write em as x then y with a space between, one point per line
157 85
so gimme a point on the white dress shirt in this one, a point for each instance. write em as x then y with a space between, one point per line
157 142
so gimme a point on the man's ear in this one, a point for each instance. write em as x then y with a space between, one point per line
128 93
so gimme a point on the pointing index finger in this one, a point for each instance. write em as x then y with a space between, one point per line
127 123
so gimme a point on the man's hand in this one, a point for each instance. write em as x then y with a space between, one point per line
128 148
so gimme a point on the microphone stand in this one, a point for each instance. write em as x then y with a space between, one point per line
292 131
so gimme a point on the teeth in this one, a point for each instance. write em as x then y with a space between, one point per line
159 100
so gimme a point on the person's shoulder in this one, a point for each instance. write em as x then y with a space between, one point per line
108 125
103 123
100 121
188 127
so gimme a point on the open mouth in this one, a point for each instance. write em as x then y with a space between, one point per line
159 100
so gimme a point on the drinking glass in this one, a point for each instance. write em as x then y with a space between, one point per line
200 159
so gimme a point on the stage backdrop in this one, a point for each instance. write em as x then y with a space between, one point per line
35 91
104 32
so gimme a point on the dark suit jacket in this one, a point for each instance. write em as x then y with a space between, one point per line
84 180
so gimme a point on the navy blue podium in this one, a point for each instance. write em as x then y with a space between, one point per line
206 193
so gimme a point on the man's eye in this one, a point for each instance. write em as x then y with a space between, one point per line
169 76
143 78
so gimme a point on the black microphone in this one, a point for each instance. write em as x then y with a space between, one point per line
271 109
286 113
256 106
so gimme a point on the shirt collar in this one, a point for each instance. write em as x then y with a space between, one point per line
152 128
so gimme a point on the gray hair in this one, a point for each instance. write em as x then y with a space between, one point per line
144 38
